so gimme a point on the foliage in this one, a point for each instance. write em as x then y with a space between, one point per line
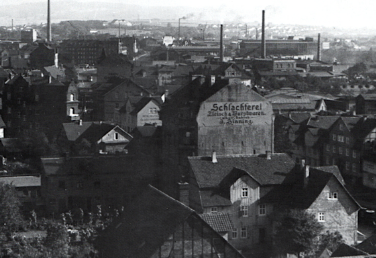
330 240
10 216
296 231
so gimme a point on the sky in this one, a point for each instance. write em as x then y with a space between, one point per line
328 13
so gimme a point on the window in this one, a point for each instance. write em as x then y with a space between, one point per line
354 154
334 137
321 217
71 97
116 136
341 127
340 150
245 192
347 140
234 234
347 152
71 111
9 110
353 167
19 101
244 211
213 209
243 233
262 209
327 160
341 138
19 114
334 149
9 96
36 97
333 196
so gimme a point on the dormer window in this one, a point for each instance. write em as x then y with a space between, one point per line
213 209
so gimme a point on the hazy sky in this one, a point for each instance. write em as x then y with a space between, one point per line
329 13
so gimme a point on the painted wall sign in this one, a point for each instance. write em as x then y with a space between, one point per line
233 113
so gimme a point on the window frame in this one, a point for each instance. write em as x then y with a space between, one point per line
243 232
245 192
321 217
234 233
333 195
244 210
262 209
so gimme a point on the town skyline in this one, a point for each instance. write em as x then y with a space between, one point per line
348 16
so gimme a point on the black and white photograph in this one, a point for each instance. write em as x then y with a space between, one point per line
187 129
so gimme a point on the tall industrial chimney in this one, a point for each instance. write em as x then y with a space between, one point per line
48 21
221 45
318 48
263 43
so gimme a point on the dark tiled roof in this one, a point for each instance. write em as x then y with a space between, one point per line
265 171
220 222
347 251
212 198
74 130
368 96
144 225
324 122
368 245
295 194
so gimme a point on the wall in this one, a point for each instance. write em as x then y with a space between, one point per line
145 117
340 215
235 120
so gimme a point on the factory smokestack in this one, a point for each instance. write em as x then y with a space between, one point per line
221 45
319 47
263 43
48 21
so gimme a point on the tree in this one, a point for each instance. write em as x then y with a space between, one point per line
330 240
296 231
10 216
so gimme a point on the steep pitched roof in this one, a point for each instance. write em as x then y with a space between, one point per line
74 130
297 194
348 251
213 198
324 122
272 171
145 225
220 222
368 245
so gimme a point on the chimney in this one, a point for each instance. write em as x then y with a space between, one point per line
80 122
306 175
318 47
214 157
268 155
263 43
221 45
184 192
48 21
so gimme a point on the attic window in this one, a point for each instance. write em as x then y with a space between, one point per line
333 196
213 209
116 136
244 192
